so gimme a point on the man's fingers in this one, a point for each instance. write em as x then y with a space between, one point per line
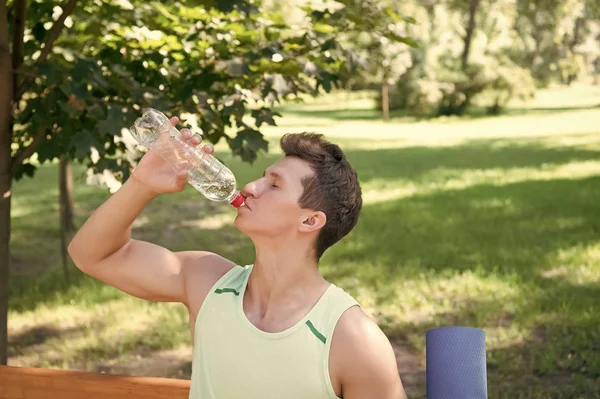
174 120
208 149
185 134
196 139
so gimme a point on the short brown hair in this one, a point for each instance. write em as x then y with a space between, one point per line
333 189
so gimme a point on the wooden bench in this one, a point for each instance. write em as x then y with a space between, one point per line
35 383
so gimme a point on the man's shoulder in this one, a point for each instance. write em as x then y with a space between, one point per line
356 329
202 270
205 264
364 355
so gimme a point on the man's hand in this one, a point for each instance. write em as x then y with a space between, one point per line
157 175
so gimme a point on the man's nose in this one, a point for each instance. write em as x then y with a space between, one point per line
251 189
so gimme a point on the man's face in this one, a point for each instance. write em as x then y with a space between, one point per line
272 208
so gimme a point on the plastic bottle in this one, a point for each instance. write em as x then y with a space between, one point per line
205 173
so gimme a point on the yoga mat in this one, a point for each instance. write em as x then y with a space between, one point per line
456 363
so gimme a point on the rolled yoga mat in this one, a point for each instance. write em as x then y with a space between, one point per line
456 363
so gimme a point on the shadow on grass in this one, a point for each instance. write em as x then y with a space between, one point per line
513 229
33 337
27 292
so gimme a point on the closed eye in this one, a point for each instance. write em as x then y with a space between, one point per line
273 177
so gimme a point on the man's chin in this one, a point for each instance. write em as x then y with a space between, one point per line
248 227
241 225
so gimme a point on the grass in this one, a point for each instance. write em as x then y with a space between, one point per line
487 222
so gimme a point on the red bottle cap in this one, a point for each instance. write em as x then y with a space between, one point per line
238 200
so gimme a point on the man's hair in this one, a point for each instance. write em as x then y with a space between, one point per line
333 189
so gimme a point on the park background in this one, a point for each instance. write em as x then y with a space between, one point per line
473 126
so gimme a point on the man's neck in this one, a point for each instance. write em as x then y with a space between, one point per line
282 276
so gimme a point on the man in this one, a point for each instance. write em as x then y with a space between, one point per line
271 329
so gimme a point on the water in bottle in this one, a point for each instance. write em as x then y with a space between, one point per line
205 173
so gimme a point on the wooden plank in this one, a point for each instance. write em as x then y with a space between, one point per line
36 383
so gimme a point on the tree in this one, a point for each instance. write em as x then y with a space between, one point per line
472 8
70 95
6 94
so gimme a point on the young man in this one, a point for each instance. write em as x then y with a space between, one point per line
272 329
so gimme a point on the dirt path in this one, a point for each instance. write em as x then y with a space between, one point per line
411 371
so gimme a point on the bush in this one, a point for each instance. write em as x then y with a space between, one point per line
425 92
509 82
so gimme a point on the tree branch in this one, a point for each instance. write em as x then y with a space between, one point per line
48 44
17 49
25 152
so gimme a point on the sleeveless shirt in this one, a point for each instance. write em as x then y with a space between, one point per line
233 359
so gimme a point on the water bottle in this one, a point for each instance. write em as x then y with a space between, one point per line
205 173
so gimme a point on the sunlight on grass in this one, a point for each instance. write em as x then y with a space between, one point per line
74 337
587 258
444 179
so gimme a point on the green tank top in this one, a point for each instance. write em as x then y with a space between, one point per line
233 359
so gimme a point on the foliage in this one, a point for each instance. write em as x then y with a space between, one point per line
427 91
224 69
436 81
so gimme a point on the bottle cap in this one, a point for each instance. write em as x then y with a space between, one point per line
238 200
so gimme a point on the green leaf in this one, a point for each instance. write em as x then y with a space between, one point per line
392 14
48 150
82 70
68 108
112 124
264 115
83 141
96 112
354 18
53 73
237 110
247 143
25 169
39 32
109 55
401 39
324 28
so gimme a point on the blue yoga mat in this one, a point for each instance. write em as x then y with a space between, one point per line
456 363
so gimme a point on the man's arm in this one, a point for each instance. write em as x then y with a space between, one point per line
368 367
103 248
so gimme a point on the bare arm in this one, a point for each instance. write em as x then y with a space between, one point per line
103 248
368 367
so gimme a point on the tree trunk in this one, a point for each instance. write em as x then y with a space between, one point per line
5 196
6 93
579 25
473 6
67 225
385 100
537 47
430 7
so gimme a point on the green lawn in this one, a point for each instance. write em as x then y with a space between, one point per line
485 222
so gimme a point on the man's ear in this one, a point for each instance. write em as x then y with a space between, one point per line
312 222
